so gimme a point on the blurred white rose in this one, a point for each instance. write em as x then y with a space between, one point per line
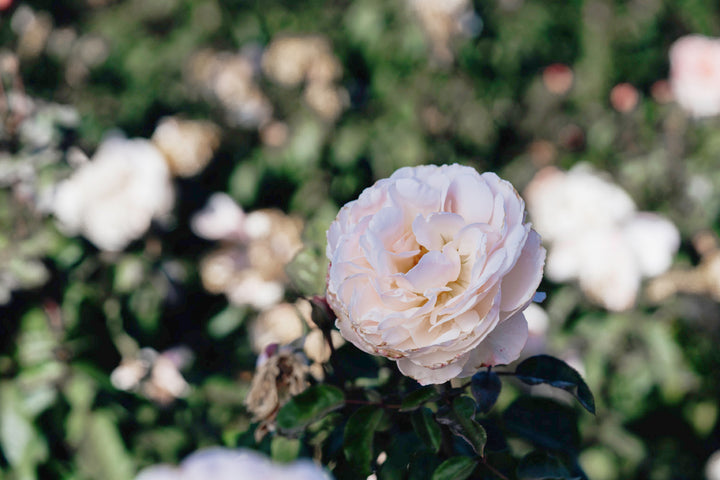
218 463
112 199
597 236
695 74
220 219
433 267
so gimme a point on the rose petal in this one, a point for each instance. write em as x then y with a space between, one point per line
426 376
502 346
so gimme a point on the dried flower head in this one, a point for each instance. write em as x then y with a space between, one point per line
281 373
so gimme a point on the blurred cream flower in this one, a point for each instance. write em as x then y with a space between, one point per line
250 266
704 279
597 236
291 61
219 463
155 375
230 80
113 199
32 30
188 145
280 324
695 74
443 20
285 323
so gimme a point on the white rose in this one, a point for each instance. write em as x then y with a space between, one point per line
597 235
433 267
695 74
227 464
112 199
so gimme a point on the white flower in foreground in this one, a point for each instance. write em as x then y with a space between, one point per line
712 467
219 463
112 199
695 74
597 235
433 267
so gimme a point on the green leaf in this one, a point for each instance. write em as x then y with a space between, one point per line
555 372
284 449
21 443
455 468
308 406
539 465
472 432
358 438
427 427
225 322
544 422
418 397
100 449
485 387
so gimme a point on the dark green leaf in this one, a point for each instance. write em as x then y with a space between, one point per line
542 466
418 397
427 428
358 440
544 422
455 468
485 387
471 431
555 372
310 405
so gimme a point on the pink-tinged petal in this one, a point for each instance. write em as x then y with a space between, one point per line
519 285
417 269
470 197
428 376
502 346
434 269
437 229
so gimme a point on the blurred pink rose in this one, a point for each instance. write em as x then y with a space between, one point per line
433 268
695 74
558 78
624 97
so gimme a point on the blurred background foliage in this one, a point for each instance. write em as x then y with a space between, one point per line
474 91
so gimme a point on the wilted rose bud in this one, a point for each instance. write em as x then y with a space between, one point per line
281 373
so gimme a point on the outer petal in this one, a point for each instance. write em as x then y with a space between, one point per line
426 375
502 346
518 286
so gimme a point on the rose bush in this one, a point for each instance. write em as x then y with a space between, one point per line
433 268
